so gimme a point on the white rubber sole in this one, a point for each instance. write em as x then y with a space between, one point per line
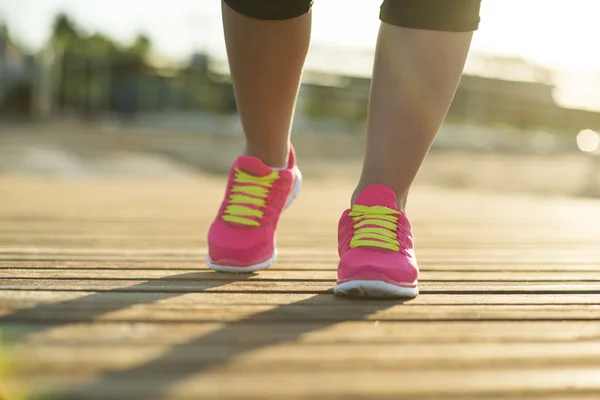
374 289
251 268
273 258
295 189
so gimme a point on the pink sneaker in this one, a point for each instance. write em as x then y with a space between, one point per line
242 236
376 248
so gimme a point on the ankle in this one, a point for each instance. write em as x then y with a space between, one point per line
269 155
401 198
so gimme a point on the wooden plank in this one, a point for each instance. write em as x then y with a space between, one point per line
426 276
272 356
458 383
57 382
137 237
308 254
242 285
299 263
242 332
38 298
312 248
301 311
101 235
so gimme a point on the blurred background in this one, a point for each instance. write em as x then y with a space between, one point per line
141 88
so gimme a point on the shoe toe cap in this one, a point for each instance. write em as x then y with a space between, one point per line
375 264
239 246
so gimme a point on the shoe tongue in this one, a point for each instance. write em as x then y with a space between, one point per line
377 195
252 166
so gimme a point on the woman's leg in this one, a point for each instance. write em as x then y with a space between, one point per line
267 43
420 55
418 64
415 77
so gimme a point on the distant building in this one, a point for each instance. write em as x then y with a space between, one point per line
507 92
522 104
325 95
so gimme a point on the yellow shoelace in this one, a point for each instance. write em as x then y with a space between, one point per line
254 191
382 229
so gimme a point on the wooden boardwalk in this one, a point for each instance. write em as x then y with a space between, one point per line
104 295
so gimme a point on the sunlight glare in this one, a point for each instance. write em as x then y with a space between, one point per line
588 140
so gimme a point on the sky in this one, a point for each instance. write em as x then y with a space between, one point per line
558 34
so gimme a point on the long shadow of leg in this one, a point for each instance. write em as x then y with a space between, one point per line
20 324
153 379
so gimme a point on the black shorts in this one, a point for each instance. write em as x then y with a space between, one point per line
439 15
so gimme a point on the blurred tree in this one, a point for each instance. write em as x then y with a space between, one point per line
63 38
100 44
4 32
15 85
64 30
93 74
141 45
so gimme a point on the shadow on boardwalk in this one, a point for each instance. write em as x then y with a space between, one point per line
153 379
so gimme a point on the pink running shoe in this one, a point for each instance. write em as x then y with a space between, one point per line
376 248
242 236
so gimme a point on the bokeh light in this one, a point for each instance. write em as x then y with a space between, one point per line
588 140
